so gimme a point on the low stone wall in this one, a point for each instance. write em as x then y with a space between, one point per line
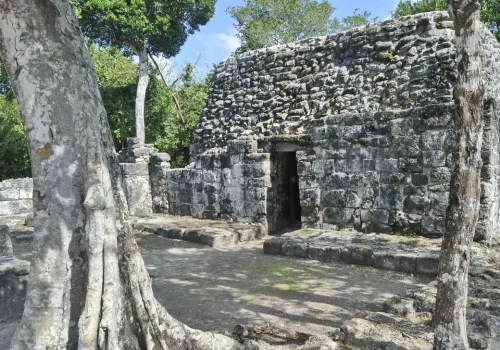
16 196
230 185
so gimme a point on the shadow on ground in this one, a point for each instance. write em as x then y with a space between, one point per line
216 289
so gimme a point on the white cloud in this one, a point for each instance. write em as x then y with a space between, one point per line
219 46
230 41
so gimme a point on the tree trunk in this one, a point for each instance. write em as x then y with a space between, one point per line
88 287
462 213
140 98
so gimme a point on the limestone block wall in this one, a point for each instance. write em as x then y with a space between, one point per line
229 185
137 188
16 196
489 213
377 104
395 64
385 171
158 167
134 163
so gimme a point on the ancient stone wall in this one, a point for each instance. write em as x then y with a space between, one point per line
134 163
368 114
489 214
395 64
231 185
16 196
384 171
352 129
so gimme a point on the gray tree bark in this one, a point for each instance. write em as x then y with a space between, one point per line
463 208
140 98
88 287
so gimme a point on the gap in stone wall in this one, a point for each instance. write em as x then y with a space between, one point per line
283 207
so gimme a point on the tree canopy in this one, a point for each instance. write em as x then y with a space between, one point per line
116 76
262 23
490 11
144 27
163 25
165 129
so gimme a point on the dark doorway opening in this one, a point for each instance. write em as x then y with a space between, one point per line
283 206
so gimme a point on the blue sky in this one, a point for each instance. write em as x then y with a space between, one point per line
217 40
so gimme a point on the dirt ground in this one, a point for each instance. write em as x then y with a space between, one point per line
216 289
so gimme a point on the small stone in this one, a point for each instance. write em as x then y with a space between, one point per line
319 342
400 306
382 317
357 327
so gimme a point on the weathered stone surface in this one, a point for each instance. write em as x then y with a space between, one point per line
248 234
295 248
382 251
428 264
193 235
321 342
323 251
400 306
13 285
29 220
138 192
273 246
16 207
217 237
382 317
6 251
357 255
357 327
483 329
137 169
171 231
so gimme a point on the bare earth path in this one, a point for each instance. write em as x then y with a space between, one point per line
216 289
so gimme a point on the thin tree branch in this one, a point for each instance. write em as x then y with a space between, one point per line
177 105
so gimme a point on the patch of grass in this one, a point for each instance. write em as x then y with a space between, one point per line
284 277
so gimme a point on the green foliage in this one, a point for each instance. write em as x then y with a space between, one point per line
490 11
490 16
164 127
116 76
14 156
357 19
163 25
411 7
262 23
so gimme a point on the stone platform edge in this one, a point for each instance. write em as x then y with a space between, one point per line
427 264
212 236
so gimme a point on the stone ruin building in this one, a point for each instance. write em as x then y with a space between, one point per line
350 129
353 129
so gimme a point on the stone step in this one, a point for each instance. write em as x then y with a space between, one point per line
404 254
212 235
410 254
